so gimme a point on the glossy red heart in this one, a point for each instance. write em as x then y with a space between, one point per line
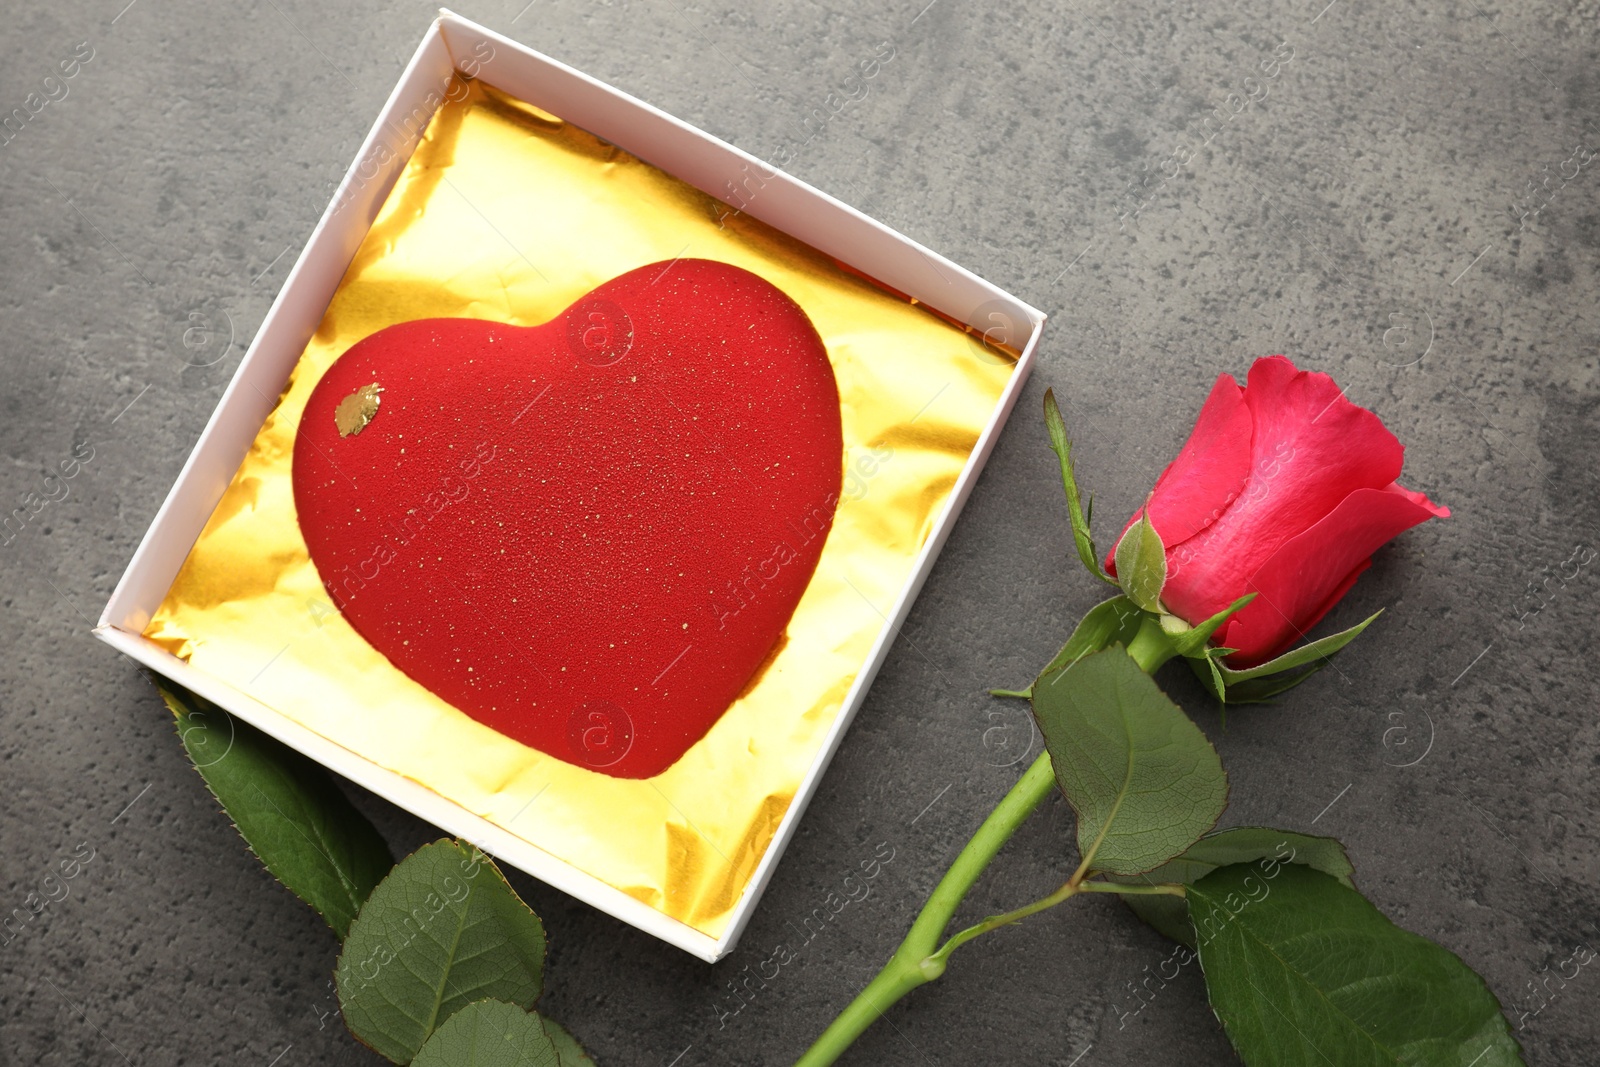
587 534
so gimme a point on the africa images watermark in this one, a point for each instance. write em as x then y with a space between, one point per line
52 889
1539 985
745 987
347 584
1539 594
813 124
411 128
742 591
1183 955
52 90
1211 124
454 891
55 491
1530 204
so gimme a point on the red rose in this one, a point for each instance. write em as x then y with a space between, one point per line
1284 489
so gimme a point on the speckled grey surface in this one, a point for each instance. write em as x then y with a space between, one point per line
1354 212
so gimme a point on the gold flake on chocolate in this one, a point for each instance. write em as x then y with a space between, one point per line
357 409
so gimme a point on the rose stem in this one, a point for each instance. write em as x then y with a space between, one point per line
915 962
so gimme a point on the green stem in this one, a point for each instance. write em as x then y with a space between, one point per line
1151 646
911 966
1030 791
994 922
893 982
1072 888
1135 889
920 959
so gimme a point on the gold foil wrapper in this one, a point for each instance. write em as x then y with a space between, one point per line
504 212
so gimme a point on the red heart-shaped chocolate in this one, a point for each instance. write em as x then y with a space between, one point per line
587 534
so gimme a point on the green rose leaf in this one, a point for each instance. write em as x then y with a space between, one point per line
443 930
1142 564
1269 849
490 1033
1303 971
287 807
1143 779
1109 622
1062 447
568 1050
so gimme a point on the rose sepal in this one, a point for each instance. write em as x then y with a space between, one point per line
1323 649
1142 564
1192 641
1255 685
1079 515
1210 675
1119 621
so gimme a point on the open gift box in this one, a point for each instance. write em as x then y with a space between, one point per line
500 185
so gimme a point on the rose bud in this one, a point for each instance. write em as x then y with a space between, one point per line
1284 489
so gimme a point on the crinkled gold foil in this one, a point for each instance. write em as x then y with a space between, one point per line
506 213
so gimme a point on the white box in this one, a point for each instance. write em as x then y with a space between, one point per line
679 149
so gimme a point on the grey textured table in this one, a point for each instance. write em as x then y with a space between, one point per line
1351 207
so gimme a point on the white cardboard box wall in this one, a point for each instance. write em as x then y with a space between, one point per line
679 149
